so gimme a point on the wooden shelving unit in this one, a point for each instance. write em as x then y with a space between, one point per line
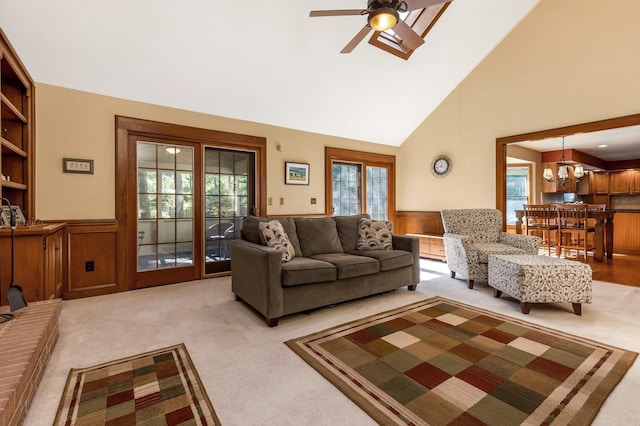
17 129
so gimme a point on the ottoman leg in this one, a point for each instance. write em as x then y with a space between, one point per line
470 284
497 293
577 308
526 307
453 274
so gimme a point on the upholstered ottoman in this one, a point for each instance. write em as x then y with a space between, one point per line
540 279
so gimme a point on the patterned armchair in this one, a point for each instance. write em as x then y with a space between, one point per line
471 235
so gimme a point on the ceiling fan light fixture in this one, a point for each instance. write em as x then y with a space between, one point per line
383 18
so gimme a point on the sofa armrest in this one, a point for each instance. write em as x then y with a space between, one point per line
256 277
410 244
528 243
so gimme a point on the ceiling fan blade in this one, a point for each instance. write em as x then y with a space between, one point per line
422 4
409 37
344 12
357 39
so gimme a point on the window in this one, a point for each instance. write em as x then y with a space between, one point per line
420 20
518 190
360 182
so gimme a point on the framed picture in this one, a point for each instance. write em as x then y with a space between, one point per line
77 165
5 215
296 173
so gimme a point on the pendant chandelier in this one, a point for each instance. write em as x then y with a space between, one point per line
563 171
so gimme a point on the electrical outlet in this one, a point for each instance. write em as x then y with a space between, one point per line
282 201
313 201
270 201
89 266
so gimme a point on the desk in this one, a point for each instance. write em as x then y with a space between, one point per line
603 237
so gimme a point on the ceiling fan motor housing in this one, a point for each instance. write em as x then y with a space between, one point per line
398 5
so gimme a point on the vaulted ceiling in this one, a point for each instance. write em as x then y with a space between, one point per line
256 60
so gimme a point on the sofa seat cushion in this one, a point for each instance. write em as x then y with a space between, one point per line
484 250
302 270
350 266
389 259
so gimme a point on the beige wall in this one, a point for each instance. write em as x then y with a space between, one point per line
567 62
76 124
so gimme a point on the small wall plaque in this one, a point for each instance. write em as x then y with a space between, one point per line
77 165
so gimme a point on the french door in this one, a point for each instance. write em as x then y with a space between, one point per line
229 191
181 195
167 191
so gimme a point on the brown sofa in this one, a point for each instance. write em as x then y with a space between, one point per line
326 269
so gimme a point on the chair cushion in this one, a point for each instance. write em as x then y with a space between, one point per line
350 266
317 235
302 270
348 230
486 249
374 235
388 259
272 235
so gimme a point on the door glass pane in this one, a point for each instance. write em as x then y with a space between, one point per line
346 189
229 196
377 193
165 194
517 191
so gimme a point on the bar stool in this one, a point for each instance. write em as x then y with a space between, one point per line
541 220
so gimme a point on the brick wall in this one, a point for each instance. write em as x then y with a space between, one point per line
26 343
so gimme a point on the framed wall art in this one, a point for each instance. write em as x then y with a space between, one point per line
296 173
77 165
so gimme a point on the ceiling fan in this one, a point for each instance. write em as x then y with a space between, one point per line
384 15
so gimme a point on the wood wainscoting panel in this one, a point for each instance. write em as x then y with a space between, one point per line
626 233
416 222
91 259
425 225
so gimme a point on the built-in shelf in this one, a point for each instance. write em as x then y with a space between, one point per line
14 185
9 148
9 109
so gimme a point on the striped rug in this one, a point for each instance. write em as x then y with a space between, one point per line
160 387
440 362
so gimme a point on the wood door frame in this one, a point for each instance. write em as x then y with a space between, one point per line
501 148
127 129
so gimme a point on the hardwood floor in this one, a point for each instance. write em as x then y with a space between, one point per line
622 269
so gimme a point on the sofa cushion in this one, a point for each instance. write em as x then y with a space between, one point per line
251 232
350 266
484 250
374 235
302 270
272 235
348 230
317 235
389 259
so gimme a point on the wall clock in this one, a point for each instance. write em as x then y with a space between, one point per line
441 166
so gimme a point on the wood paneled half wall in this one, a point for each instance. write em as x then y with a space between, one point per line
91 259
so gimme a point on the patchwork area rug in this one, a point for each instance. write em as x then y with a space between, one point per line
160 387
440 362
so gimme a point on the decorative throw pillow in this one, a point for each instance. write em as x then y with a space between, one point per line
374 235
272 235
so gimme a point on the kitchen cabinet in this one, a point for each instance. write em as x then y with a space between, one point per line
621 182
38 260
599 182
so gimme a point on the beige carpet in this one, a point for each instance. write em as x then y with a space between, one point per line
253 378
